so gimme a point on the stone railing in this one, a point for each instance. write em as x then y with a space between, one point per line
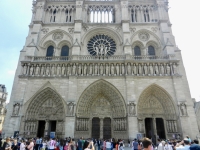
89 57
100 68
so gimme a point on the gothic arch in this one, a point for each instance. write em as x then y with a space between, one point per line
154 100
158 41
101 88
45 104
102 30
47 37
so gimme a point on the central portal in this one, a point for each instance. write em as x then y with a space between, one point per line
101 128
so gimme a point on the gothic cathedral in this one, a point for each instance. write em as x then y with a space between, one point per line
101 69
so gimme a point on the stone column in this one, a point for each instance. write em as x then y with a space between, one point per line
101 128
154 129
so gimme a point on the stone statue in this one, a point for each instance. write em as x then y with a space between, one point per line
145 69
85 69
58 71
175 69
175 127
79 69
140 124
151 69
168 70
74 69
101 69
90 71
25 69
63 70
134 69
47 71
59 127
112 69
46 124
183 109
96 69
31 70
53 70
156 69
140 69
42 70
71 109
37 71
129 69
107 69
132 109
122 67
68 70
162 70
16 109
117 69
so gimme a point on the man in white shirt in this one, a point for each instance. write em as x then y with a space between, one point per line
179 146
108 145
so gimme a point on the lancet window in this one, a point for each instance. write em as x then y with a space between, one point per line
142 13
101 14
65 51
50 51
137 51
151 51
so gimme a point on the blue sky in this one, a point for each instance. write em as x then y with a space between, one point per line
16 15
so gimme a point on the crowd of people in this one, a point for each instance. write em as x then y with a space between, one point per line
97 144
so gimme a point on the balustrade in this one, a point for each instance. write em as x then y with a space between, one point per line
99 69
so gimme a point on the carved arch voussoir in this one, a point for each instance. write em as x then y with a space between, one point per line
160 97
105 89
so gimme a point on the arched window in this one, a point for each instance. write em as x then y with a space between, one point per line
64 52
50 51
151 51
137 51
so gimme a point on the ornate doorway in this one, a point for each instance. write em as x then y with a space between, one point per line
45 114
107 128
101 100
96 128
155 107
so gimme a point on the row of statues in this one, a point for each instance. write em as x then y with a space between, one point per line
82 124
172 126
30 127
120 124
100 69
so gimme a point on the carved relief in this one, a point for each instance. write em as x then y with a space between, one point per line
171 126
120 124
143 36
154 29
132 30
45 30
82 124
58 36
71 30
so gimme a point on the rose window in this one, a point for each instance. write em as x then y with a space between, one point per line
101 45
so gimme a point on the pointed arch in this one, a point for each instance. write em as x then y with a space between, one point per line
101 88
45 104
155 100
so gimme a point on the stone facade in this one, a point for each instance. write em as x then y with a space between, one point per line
100 69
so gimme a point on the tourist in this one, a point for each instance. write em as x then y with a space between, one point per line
129 143
23 145
80 145
168 146
189 139
15 145
185 142
44 145
31 145
37 142
88 145
99 144
117 146
161 145
135 144
121 146
195 146
52 144
147 144
139 145
108 145
7 144
104 145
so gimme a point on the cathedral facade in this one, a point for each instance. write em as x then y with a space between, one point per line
101 69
